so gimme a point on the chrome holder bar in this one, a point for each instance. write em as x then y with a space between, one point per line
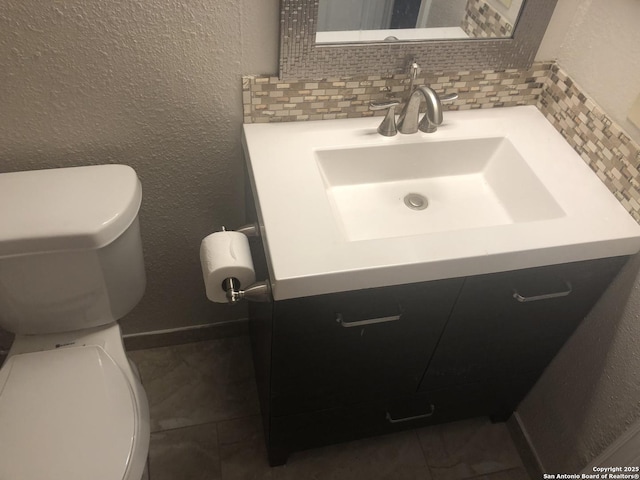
256 292
250 230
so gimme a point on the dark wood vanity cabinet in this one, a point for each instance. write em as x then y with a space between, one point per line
336 367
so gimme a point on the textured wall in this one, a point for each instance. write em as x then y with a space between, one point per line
155 85
589 395
563 14
596 42
604 38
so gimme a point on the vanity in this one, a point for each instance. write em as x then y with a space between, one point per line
415 278
418 279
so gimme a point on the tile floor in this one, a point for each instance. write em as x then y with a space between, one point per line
205 425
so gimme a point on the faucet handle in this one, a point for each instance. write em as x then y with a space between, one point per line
388 125
449 97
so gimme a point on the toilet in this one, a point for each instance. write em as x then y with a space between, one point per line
71 404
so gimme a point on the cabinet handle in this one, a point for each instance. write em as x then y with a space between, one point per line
545 296
390 419
368 321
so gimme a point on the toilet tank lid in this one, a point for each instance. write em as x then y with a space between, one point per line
73 208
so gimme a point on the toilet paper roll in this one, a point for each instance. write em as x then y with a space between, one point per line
224 255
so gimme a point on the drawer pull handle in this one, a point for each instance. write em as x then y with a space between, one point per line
369 321
545 296
432 409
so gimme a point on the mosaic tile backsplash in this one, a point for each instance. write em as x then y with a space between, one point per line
481 20
603 145
267 99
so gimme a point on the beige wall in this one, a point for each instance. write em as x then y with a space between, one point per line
155 85
589 394
596 41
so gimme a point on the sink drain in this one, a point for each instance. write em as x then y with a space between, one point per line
415 201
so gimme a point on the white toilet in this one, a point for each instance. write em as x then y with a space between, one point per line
71 405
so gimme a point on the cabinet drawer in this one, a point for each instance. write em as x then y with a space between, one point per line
336 350
298 432
513 322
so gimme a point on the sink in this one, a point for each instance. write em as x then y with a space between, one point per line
343 208
412 189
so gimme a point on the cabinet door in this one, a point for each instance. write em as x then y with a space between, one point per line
339 349
510 325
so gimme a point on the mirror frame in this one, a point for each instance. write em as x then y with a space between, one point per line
301 58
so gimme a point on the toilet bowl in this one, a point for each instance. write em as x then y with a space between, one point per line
71 404
73 412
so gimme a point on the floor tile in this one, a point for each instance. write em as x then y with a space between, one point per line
515 474
186 453
206 424
394 457
388 457
467 449
243 454
247 429
198 383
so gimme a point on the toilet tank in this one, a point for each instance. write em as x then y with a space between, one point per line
70 248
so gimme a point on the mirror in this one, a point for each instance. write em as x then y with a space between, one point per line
301 57
357 21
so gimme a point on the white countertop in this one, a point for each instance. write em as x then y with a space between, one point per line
309 254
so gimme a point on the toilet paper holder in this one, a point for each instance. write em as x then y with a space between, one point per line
256 292
250 230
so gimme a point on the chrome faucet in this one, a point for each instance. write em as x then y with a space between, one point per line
408 121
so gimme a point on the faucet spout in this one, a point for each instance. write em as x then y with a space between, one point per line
433 118
408 122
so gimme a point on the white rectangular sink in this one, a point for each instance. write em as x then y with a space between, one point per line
412 189
340 205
